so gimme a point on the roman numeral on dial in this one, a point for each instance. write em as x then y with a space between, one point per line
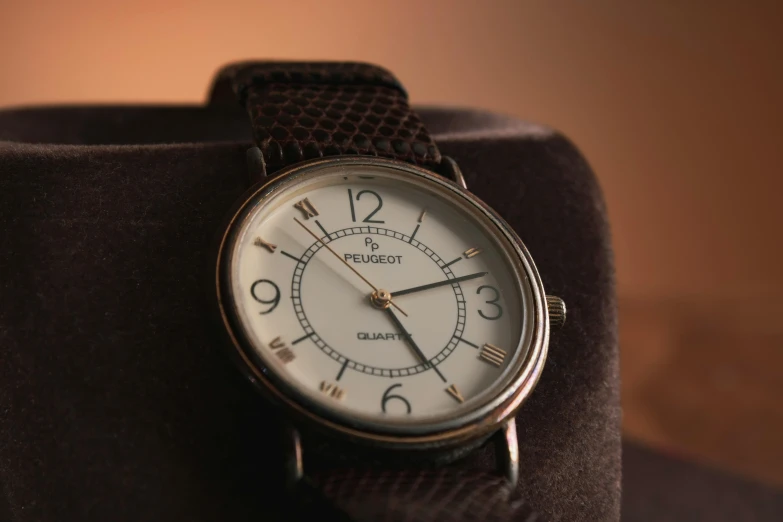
454 392
264 244
281 350
332 390
492 354
307 208
471 252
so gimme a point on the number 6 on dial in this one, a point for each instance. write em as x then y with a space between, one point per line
388 397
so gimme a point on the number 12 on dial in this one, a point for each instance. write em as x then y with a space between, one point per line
367 219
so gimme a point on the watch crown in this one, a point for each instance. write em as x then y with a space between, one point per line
556 308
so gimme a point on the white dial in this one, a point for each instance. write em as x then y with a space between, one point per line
379 297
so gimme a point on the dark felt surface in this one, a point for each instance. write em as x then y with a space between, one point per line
115 402
660 488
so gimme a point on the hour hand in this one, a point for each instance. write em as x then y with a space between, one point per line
437 284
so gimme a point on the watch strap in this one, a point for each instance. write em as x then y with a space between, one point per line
303 111
426 495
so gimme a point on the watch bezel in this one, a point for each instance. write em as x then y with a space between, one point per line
483 420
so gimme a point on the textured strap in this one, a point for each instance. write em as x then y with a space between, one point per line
424 495
310 110
303 111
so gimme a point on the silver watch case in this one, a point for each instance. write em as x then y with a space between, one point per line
494 416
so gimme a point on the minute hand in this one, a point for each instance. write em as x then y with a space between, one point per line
409 340
439 283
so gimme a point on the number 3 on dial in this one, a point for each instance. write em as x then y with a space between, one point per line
497 311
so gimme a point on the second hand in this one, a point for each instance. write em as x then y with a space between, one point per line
346 263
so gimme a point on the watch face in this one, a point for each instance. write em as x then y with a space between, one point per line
375 295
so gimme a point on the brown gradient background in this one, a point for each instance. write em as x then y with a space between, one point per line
677 107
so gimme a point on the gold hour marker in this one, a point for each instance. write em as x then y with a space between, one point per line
492 354
472 252
454 392
332 390
307 208
261 243
283 352
286 355
421 217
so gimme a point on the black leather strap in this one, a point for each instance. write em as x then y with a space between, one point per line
309 110
426 495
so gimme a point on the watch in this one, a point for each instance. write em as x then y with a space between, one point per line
394 319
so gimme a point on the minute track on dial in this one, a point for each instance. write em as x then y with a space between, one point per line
346 263
333 349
